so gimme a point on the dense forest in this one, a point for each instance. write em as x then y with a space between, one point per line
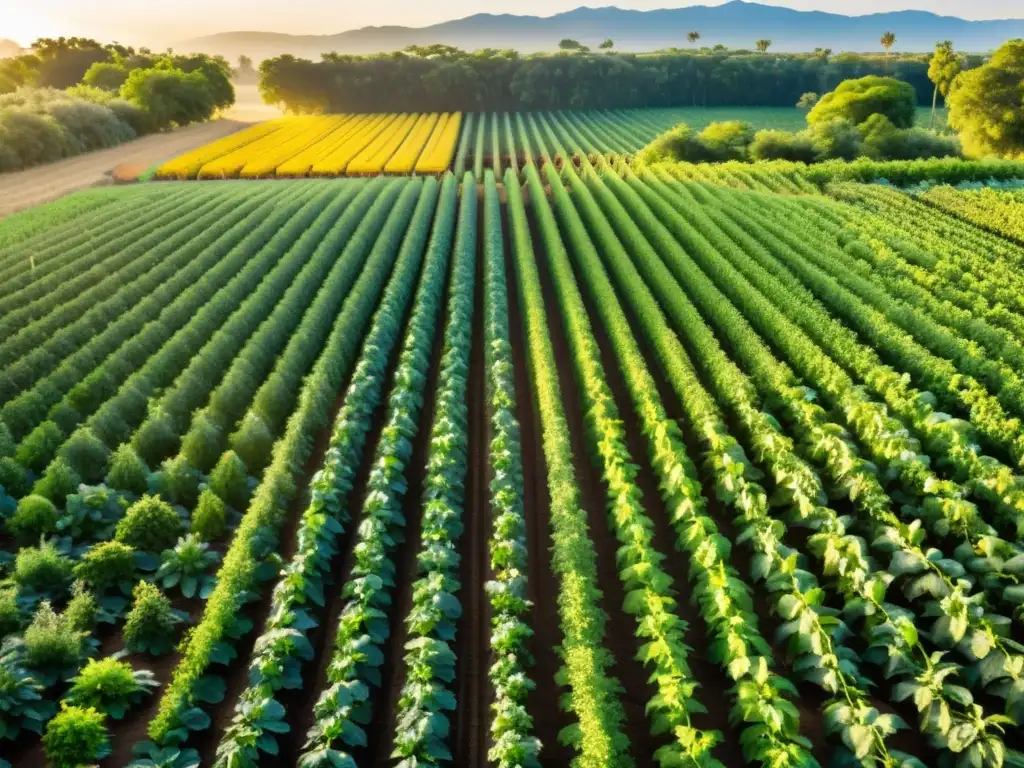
441 78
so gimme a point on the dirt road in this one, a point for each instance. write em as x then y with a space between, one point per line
24 189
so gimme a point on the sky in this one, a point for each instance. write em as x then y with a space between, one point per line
159 24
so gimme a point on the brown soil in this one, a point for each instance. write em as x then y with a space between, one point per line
24 189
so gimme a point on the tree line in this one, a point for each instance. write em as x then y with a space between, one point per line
443 78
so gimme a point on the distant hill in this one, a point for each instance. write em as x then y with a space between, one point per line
9 48
736 24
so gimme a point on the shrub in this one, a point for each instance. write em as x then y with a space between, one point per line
110 686
149 627
156 438
127 471
82 608
86 455
39 446
180 481
43 569
36 516
11 617
30 139
13 477
253 442
857 100
150 525
65 416
76 736
727 140
92 513
986 105
52 645
783 145
203 444
107 565
884 141
209 521
58 482
106 75
837 140
230 480
7 444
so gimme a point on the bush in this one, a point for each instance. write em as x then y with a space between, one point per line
986 105
65 416
58 482
82 609
35 517
11 617
86 455
783 145
7 444
127 471
857 100
180 481
884 141
52 645
149 627
253 442
39 446
837 140
13 477
230 480
156 438
727 140
43 569
171 96
76 736
203 444
110 686
105 75
89 126
107 565
30 139
209 521
150 525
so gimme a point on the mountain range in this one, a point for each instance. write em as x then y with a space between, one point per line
736 24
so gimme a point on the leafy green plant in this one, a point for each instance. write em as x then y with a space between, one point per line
107 566
11 614
43 571
53 646
59 480
127 471
21 696
149 755
82 609
209 520
230 480
110 686
150 525
13 477
35 517
186 566
76 736
150 625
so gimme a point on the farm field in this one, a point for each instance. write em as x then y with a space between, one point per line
686 465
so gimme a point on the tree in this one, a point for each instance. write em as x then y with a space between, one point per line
171 96
943 67
105 75
568 44
693 36
888 41
607 45
857 100
763 45
986 105
808 101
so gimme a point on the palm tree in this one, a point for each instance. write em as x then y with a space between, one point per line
888 41
693 37
763 45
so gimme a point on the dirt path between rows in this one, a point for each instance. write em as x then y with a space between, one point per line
24 189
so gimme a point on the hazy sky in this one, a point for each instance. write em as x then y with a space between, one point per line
146 22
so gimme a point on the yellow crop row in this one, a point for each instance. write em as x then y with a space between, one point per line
326 145
265 164
187 166
231 164
301 165
440 150
409 150
371 160
336 162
